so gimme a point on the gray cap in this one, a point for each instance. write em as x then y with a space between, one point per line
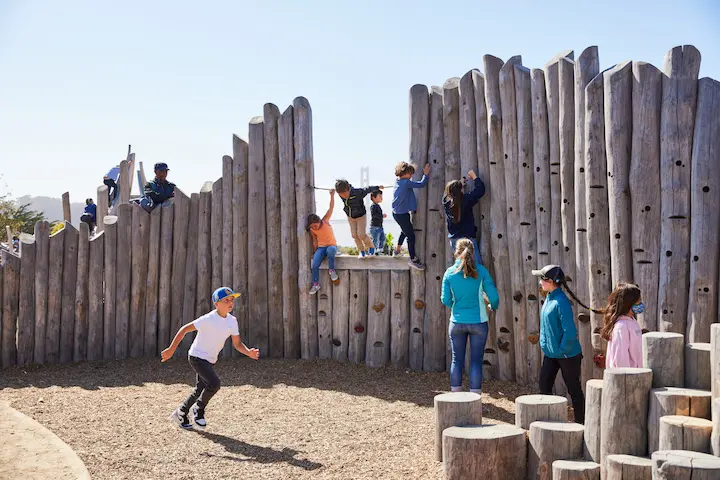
550 272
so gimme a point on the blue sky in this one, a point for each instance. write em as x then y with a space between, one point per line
80 80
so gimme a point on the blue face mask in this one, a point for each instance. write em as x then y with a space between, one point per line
638 308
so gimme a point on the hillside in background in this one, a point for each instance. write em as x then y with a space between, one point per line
52 207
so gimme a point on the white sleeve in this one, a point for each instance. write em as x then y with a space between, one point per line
199 322
234 330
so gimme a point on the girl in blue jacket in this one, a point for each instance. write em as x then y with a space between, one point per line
463 287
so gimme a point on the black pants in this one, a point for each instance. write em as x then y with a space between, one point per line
403 219
570 368
112 189
207 385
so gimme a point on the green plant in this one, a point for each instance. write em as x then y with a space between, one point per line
57 225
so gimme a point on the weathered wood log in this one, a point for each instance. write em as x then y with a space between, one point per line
203 295
42 265
165 299
575 470
644 177
240 233
705 215
289 239
152 292
627 467
179 256
697 366
95 320
54 303
566 142
593 416
498 222
341 316
10 307
663 353
541 163
82 305
618 141
527 224
456 409
677 125
225 199
26 310
678 432
715 360
69 281
596 203
417 319
139 269
715 436
377 350
191 264
2 284
492 452
102 207
623 420
587 67
684 465
552 91
66 207
358 316
9 234
124 279
399 318
124 179
110 232
271 115
533 408
674 401
324 319
550 441
217 259
451 132
305 202
434 327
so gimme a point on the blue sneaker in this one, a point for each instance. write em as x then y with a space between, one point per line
372 251
362 254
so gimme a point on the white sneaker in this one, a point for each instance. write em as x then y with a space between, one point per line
180 418
198 417
314 289
333 275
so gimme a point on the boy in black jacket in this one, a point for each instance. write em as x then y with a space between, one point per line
377 232
354 208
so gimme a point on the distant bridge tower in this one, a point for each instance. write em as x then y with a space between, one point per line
365 182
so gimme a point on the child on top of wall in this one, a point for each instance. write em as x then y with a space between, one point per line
355 210
377 232
404 202
621 329
324 244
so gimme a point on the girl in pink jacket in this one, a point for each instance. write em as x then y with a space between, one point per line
621 329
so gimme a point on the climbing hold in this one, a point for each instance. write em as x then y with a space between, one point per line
323 296
378 344
583 317
533 338
416 330
322 313
359 329
503 346
504 330
378 307
336 342
517 296
398 295
419 304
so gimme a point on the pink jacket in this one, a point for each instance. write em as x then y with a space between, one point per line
625 347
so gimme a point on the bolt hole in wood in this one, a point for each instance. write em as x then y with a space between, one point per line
321 313
490 350
706 189
696 258
378 344
532 298
336 342
504 330
583 317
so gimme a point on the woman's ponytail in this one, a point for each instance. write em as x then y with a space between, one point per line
572 294
465 252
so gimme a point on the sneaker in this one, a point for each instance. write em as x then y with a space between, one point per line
199 417
181 418
314 289
333 275
372 252
362 254
415 263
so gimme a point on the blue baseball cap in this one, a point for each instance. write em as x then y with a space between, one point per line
161 166
223 292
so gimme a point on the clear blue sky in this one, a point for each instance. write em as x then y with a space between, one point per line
80 80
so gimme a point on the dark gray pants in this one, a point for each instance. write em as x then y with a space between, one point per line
207 385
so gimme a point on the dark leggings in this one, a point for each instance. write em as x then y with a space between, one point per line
207 385
570 368
403 219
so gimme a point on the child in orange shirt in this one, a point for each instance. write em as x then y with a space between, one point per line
324 243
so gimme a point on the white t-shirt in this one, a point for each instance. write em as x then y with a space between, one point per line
212 331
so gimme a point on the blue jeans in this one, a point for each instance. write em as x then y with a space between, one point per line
478 258
459 333
378 238
320 253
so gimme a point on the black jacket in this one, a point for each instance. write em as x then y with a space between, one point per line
159 192
353 206
376 215
465 228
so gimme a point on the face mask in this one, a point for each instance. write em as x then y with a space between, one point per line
638 308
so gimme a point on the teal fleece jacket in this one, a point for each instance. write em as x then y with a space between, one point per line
465 295
558 334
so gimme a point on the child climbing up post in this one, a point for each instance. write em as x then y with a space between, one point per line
324 243
355 210
404 202
377 232
458 207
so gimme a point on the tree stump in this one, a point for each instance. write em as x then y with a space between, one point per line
674 401
663 353
550 441
624 421
715 360
532 408
593 411
678 432
490 452
684 465
697 366
456 409
575 470
715 437
627 467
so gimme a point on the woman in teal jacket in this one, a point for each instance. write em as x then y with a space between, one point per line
463 287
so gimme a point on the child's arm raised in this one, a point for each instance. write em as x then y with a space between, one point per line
184 330
332 206
423 181
479 187
253 353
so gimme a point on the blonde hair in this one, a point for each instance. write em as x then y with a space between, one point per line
404 167
465 251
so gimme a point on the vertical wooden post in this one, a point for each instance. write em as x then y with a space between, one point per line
677 124
2 285
26 311
399 318
566 126
54 304
191 264
10 307
289 241
705 219
340 317
552 87
110 232
217 225
66 207
358 315
526 219
42 265
714 359
541 162
325 319
9 235
498 222
102 207
95 298
273 197
139 269
225 200
165 299
69 280
82 304
124 180
153 284
181 222
434 329
240 231
451 132
203 300
124 279
377 351
305 201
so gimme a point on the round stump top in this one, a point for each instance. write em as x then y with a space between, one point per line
483 432
685 420
627 371
698 346
595 383
630 460
557 426
540 399
680 392
686 458
663 335
457 397
576 465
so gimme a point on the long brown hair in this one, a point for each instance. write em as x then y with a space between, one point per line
312 218
454 193
465 251
620 302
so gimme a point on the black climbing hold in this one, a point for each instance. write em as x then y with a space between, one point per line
617 235
504 330
706 189
416 330
592 215
499 235
668 253
647 208
696 258
336 342
532 297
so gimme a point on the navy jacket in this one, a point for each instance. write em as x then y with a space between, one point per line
159 192
353 206
465 228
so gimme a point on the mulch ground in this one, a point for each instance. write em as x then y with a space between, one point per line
272 419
